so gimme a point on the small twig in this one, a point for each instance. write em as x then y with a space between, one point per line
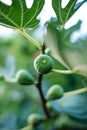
43 48
63 71
39 87
75 92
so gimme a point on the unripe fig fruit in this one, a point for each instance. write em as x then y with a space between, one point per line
43 64
55 92
35 118
24 78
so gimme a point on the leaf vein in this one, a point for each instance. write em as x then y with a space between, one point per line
69 11
33 15
21 12
5 16
58 8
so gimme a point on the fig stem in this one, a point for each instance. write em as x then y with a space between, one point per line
79 91
10 80
43 48
30 39
63 71
39 87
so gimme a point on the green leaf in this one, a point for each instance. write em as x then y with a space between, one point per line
18 15
72 55
69 31
74 105
64 14
53 40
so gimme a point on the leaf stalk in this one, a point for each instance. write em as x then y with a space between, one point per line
30 39
79 91
63 71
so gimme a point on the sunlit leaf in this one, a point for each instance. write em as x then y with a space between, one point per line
71 55
68 32
64 14
18 15
53 40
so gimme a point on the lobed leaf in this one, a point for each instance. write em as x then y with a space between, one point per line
64 14
18 15
72 55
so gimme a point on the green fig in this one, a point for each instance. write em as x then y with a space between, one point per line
43 64
55 92
24 78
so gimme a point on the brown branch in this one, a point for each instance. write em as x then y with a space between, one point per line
39 87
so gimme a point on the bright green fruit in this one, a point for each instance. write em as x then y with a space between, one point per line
24 78
55 92
43 64
35 118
